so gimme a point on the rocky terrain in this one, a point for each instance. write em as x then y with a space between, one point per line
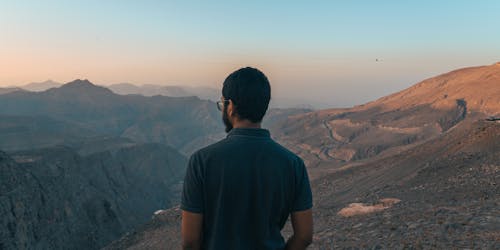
448 192
55 198
417 169
335 137
441 194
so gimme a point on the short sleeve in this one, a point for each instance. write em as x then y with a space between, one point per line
303 195
192 191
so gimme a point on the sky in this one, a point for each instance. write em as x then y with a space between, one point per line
330 53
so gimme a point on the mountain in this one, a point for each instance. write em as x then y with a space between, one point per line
446 188
185 123
9 89
41 86
204 93
391 124
28 132
81 165
55 198
416 169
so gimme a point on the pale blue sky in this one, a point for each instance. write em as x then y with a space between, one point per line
313 50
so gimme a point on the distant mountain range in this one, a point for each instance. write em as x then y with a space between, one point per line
41 86
206 93
202 92
9 90
185 123
415 169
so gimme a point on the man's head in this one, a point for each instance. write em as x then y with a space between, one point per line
248 93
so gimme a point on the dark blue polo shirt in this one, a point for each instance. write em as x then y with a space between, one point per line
245 186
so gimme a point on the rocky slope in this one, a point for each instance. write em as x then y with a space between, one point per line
448 192
54 198
334 137
28 132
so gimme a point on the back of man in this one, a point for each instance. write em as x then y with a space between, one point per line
250 184
239 192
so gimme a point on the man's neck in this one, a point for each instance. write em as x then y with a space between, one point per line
246 124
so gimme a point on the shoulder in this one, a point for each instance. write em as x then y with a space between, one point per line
286 151
209 150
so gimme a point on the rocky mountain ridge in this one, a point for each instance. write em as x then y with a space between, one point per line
55 198
334 137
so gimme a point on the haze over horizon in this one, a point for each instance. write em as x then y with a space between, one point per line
340 54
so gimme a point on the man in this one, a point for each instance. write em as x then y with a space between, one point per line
239 192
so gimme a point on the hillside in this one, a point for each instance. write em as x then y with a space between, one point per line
447 192
334 137
55 198
28 132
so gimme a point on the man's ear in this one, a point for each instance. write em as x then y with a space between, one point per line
230 108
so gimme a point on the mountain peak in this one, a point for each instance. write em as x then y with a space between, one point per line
83 86
79 82
477 86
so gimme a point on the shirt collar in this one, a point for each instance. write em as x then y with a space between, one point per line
255 132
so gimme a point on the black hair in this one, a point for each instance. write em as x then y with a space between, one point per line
250 91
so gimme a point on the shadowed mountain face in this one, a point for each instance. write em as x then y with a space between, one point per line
54 198
185 123
416 169
334 137
26 132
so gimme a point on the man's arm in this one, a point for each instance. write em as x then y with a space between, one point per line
191 230
302 223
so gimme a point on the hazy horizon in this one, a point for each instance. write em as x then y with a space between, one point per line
340 54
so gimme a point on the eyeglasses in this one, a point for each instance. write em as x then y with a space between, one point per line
220 104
